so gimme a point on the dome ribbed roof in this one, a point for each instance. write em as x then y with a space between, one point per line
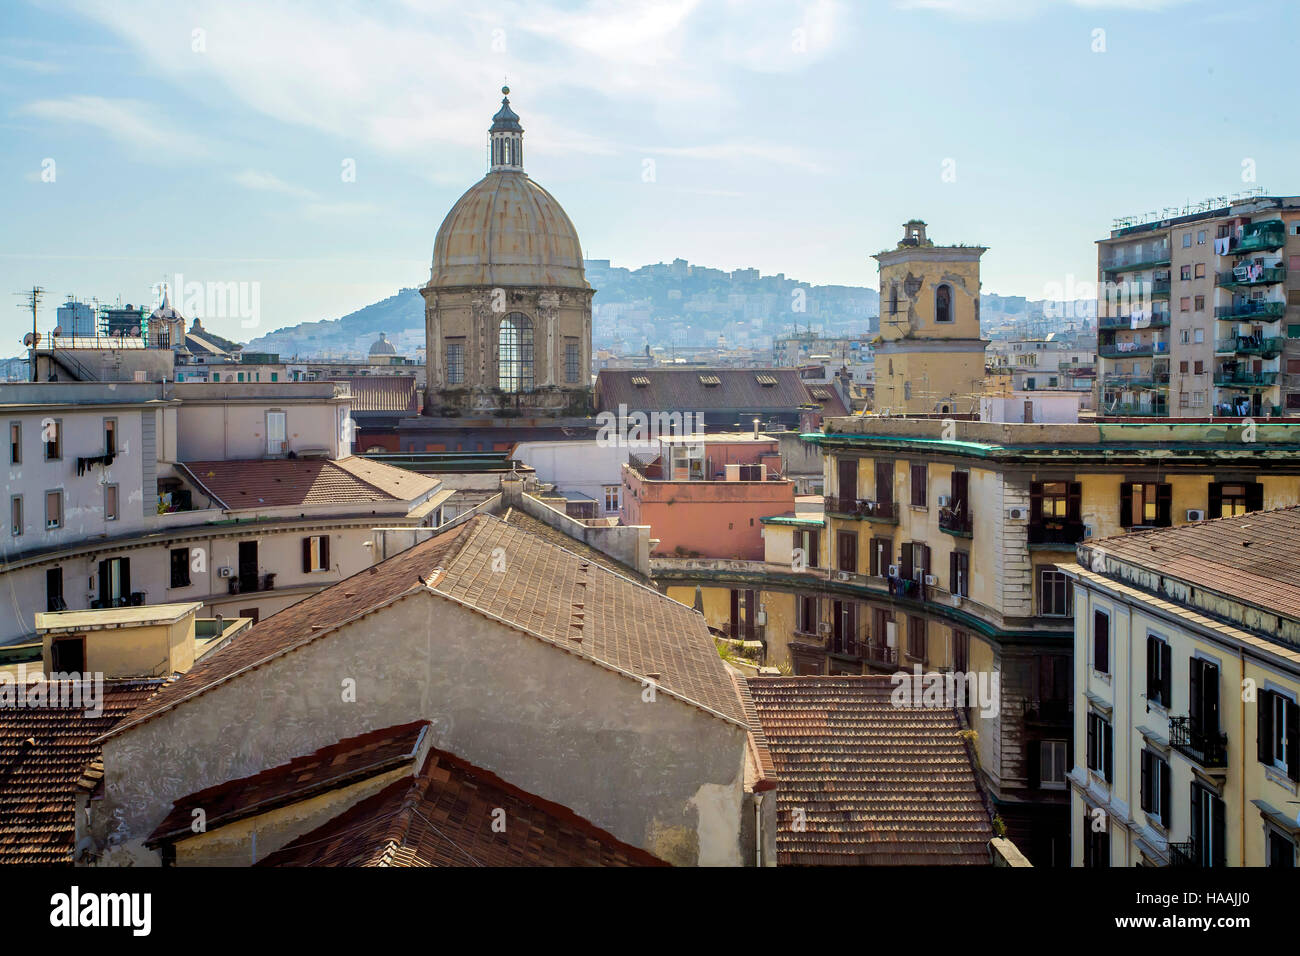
507 231
382 346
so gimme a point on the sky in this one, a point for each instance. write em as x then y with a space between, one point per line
308 151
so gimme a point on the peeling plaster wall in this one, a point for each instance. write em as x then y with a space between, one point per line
661 775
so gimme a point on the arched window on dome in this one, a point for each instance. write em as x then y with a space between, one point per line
943 304
515 353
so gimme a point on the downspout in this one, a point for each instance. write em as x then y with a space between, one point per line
758 829
1241 653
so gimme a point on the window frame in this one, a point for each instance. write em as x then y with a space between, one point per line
1067 592
58 497
1098 614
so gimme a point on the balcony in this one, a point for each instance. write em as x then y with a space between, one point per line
1208 750
1260 237
885 512
1264 346
1133 410
1156 320
1246 277
1258 311
1140 259
1050 711
1065 534
1184 854
1158 378
246 584
879 655
1133 349
1239 379
956 521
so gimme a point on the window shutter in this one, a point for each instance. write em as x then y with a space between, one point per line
325 552
125 567
1146 780
1108 737
952 572
1092 742
1194 692
1255 497
1220 856
306 555
1036 503
1215 501
906 569
925 557
1264 727
1033 760
1210 697
1166 675
1074 502
1126 505
103 583
1164 505
1194 828
1166 810
1153 662
1293 741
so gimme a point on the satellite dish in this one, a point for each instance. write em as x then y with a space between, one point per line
136 331
32 339
58 330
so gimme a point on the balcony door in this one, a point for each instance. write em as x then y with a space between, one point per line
247 566
1203 697
847 471
1207 830
885 485
847 551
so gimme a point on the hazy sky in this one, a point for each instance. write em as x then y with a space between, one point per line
211 139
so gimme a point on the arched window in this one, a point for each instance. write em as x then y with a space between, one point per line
943 304
515 353
893 300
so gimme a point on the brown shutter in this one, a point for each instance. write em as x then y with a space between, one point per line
306 555
325 552
1126 505
1264 727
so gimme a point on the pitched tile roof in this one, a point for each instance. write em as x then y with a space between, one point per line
737 389
445 817
44 752
876 784
521 519
556 594
1253 557
350 760
383 393
294 482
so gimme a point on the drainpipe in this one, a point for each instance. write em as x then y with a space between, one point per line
758 829
1241 761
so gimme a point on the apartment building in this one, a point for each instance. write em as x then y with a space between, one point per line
1187 695
245 498
939 547
1199 314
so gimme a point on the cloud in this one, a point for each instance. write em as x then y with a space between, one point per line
29 66
268 182
130 122
1014 9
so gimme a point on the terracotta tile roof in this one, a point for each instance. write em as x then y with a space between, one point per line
1253 557
350 760
521 519
45 752
383 393
444 817
877 784
738 389
549 591
294 482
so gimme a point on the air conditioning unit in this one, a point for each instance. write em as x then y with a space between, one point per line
891 634
931 580
844 575
893 570
760 618
1087 531
225 572
824 627
1195 514
1017 514
944 500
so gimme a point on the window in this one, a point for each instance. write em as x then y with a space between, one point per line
809 540
919 474
1200 272
1198 336
1200 238
943 303
1185 304
1159 661
1101 641
1155 787
455 363
1096 843
276 433
893 300
1051 764
1185 274
1145 504
1281 850
114 582
806 618
68 655
54 590
959 573
1100 746
1055 596
1207 829
1184 336
1182 368
15 443
53 509
882 556
110 503
180 567
1278 733
1187 240
1198 303
315 553
847 551
1227 500
916 638
571 361
515 353
1198 367
916 561
51 435
960 651
16 515
611 497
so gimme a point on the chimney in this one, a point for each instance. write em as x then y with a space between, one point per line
755 427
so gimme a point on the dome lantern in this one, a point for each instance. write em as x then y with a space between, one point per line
506 146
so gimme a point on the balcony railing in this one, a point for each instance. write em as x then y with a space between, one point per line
1183 854
1210 750
1133 409
1155 379
886 511
1259 311
1147 259
1245 276
1056 532
1133 349
1259 237
1267 346
1239 379
956 521
880 654
249 583
1155 321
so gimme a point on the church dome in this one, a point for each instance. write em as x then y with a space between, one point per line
382 346
507 230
